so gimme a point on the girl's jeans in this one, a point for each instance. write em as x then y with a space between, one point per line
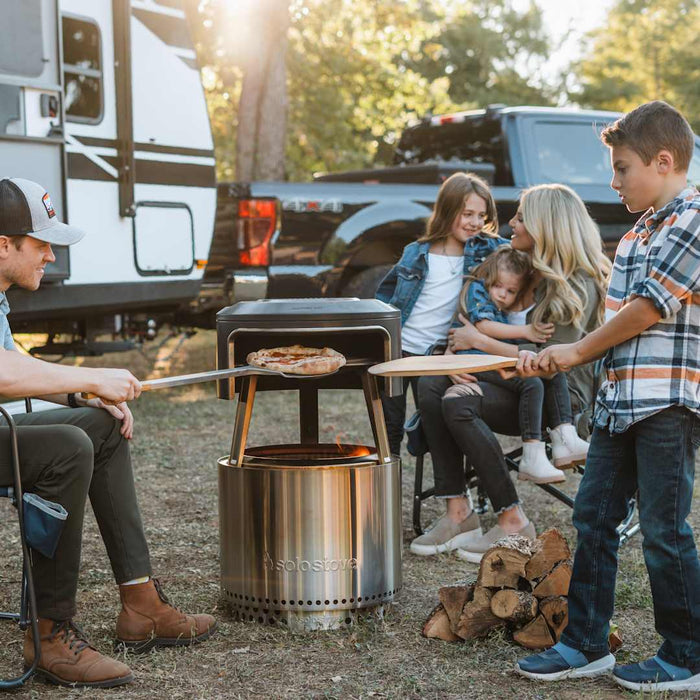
656 457
536 396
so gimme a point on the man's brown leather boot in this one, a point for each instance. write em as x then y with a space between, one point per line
68 659
148 620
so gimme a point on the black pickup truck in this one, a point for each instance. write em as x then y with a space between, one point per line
338 235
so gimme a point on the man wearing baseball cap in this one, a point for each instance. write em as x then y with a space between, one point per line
69 454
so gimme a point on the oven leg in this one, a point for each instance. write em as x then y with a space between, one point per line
244 411
308 415
376 416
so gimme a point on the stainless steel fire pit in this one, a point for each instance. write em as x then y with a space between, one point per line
310 534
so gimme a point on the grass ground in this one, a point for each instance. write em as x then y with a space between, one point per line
179 436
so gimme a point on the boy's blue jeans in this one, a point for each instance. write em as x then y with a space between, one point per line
655 456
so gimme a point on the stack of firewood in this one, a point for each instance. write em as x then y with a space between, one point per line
522 586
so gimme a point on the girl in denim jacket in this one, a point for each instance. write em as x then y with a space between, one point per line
425 283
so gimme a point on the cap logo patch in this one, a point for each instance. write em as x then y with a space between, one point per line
49 207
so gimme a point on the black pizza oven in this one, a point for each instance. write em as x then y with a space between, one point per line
366 331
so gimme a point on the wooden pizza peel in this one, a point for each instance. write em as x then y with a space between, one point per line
420 365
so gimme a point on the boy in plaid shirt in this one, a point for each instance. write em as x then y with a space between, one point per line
647 418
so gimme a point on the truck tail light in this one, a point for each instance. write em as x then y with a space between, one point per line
257 221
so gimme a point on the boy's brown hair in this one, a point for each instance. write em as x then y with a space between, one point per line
650 128
503 258
450 202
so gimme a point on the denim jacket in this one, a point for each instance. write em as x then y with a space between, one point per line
404 282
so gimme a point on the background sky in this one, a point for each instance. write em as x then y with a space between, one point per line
562 16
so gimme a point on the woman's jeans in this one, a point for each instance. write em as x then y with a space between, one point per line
656 457
459 426
537 397
395 411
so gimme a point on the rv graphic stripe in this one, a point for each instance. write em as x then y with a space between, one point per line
152 147
148 172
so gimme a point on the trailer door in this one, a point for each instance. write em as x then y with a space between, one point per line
31 109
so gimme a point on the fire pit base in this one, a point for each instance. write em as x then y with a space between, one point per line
311 541
305 621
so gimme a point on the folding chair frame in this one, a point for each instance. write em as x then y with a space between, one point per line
28 601
626 529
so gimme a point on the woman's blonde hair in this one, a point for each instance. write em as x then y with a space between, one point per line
567 248
503 258
450 202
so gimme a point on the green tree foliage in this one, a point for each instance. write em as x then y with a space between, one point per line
359 70
646 50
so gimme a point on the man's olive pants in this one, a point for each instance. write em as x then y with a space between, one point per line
65 456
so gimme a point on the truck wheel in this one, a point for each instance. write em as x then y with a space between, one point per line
364 284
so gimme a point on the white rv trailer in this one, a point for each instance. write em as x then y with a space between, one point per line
101 102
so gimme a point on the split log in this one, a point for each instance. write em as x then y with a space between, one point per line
437 626
556 611
453 599
614 638
535 634
503 565
555 583
477 619
515 606
550 549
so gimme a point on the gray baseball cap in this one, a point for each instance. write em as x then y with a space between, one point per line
26 210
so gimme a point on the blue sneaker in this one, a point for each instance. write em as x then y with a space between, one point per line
656 674
561 662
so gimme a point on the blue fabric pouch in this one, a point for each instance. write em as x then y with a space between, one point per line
416 442
43 523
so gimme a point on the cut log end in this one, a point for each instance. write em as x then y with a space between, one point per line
535 634
477 619
556 611
556 582
515 606
549 549
437 626
502 567
453 599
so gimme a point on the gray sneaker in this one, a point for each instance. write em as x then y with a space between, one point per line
444 535
479 545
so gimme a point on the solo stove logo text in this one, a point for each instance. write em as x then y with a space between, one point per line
306 565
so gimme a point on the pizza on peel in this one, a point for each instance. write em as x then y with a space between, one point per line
297 359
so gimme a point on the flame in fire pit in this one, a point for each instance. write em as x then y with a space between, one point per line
350 450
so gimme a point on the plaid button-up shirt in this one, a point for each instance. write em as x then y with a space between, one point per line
659 259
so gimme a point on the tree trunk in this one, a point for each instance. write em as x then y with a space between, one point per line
262 109
272 119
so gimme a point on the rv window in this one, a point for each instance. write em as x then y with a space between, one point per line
11 119
82 70
21 48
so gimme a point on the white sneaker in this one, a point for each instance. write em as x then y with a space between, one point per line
534 465
568 449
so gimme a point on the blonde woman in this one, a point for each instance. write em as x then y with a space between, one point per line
567 290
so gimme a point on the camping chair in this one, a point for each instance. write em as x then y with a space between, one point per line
626 529
28 612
